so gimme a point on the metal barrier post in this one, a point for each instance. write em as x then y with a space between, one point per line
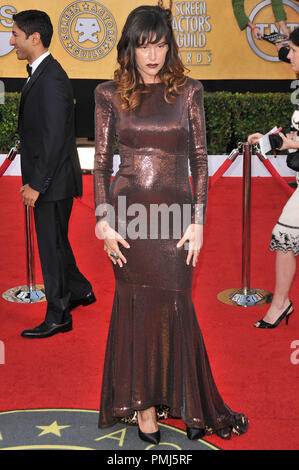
246 226
245 296
29 249
30 293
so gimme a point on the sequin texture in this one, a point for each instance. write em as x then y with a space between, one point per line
155 353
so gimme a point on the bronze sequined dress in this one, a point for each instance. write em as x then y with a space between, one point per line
155 354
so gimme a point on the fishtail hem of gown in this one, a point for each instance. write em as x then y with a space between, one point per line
164 412
178 358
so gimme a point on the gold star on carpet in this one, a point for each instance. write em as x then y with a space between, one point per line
51 429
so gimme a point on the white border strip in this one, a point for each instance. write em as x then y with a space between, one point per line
86 156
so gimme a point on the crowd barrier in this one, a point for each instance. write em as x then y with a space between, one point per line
244 296
265 160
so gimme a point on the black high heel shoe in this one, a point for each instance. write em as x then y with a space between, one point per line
195 433
285 314
152 438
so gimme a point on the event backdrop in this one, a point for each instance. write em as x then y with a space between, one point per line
211 44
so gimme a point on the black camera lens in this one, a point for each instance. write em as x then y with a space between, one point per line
275 141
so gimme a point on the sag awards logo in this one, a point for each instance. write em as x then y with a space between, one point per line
260 16
191 25
6 12
87 30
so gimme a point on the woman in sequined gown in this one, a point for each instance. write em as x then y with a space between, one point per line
155 356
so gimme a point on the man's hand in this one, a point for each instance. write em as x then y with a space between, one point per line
29 195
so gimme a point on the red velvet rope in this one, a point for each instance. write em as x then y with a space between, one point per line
221 170
227 163
4 166
10 157
276 175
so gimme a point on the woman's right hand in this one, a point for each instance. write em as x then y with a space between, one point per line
254 138
111 240
255 31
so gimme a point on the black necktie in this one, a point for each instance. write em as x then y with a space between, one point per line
29 69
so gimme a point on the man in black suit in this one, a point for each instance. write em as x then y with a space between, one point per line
51 172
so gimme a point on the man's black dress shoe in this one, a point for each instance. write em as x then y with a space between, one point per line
87 300
45 330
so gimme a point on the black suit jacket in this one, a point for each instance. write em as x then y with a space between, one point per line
49 157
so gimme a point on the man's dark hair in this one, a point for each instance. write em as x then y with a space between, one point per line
35 21
294 36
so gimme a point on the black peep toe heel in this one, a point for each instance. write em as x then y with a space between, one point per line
285 314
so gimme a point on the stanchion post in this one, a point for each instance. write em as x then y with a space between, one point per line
29 293
246 296
30 260
246 252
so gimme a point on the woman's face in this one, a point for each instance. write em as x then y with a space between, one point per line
150 59
293 55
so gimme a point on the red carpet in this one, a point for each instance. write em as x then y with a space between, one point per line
252 367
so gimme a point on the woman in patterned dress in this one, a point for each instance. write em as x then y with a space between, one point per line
285 235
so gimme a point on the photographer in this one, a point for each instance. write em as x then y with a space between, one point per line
285 235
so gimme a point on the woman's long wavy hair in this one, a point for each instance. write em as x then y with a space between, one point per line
147 24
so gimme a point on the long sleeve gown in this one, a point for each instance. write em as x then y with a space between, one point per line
155 354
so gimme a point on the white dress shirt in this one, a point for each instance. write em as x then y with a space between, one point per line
36 62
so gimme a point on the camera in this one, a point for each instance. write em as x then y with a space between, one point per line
275 38
271 141
275 141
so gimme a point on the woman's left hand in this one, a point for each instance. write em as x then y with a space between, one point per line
284 28
193 235
289 142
